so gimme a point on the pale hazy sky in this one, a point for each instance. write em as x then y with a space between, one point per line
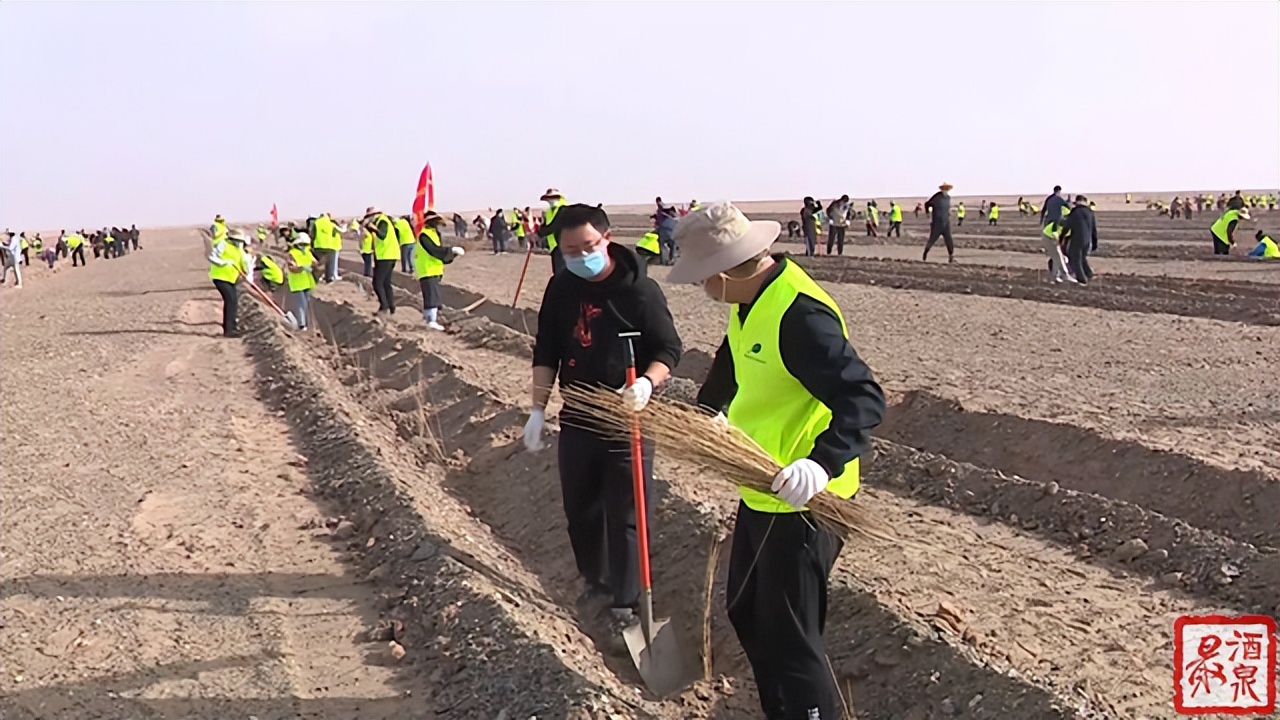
166 113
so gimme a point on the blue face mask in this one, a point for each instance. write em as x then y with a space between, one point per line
588 266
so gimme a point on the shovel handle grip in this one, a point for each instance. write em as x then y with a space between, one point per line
637 480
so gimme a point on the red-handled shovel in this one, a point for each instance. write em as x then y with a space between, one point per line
653 644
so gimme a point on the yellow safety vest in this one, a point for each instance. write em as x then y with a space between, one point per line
404 233
262 234
1269 247
386 248
271 271
424 263
219 231
300 280
960 211
895 213
551 215
327 237
995 213
366 244
771 406
229 252
873 214
1219 228
74 241
649 242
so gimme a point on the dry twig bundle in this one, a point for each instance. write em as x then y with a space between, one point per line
691 435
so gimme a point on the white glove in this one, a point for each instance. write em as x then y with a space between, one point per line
798 482
457 251
635 397
721 422
533 430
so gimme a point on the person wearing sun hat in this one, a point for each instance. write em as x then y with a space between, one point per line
939 207
1223 229
554 201
429 258
227 264
786 375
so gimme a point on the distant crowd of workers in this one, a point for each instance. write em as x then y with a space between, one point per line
109 242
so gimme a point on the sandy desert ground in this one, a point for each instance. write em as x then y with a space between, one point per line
344 524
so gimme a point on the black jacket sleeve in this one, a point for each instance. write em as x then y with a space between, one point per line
434 249
721 385
659 340
816 352
547 348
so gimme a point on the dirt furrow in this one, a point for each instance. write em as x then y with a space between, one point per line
515 495
987 552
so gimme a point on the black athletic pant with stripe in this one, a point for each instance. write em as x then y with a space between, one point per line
776 593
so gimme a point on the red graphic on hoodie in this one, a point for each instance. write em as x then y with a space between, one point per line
582 331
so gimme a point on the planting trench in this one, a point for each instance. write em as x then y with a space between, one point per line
996 575
1130 508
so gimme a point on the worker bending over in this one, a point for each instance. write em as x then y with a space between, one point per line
1224 228
786 375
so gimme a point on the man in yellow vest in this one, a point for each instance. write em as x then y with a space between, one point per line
302 280
993 216
75 244
1224 229
895 218
785 375
326 244
227 265
404 235
554 201
386 250
429 259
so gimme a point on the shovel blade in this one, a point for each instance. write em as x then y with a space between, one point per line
291 321
662 664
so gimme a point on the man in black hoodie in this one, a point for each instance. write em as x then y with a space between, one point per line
604 292
1081 228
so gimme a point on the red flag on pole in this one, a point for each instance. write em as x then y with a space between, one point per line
424 199
275 217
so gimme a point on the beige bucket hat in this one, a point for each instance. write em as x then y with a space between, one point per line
551 194
717 238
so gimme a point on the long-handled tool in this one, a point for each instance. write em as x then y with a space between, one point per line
653 645
528 254
286 317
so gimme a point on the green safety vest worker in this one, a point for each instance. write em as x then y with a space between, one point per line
1269 247
301 279
960 211
1051 230
404 233
548 217
108 240
771 406
270 271
517 225
1221 226
74 241
219 230
895 212
262 234
873 214
695 206
425 264
230 252
25 245
366 244
1128 198
38 244
995 212
385 248
327 237
649 243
